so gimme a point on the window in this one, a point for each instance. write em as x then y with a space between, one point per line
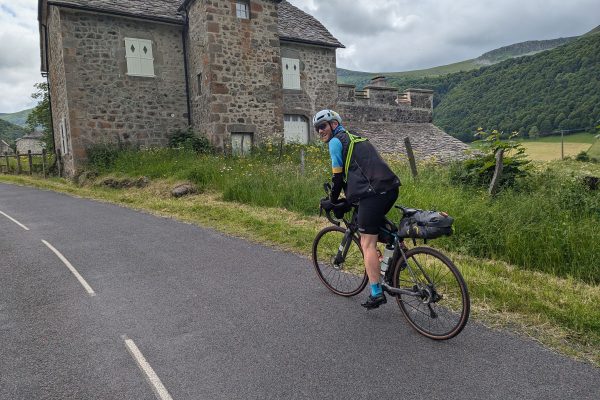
140 61
241 143
242 9
291 73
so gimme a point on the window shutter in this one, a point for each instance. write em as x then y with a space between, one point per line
291 73
140 60
146 58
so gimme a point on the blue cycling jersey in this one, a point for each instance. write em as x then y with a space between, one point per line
335 152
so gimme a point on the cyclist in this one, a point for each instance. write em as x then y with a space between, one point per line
366 179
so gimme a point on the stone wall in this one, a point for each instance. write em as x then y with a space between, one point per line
235 70
385 104
58 90
105 104
318 77
25 144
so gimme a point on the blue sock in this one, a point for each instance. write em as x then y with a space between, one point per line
375 289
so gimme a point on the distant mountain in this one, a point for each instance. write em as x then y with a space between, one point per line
595 30
553 90
361 79
521 49
18 118
10 132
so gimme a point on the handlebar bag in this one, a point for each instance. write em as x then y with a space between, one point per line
426 225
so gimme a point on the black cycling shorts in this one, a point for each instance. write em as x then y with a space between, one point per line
372 210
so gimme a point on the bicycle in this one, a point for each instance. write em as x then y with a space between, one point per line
430 291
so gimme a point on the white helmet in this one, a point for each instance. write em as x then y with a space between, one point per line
326 116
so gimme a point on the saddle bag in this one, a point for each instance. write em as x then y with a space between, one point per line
425 225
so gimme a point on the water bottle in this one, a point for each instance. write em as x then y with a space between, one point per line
387 257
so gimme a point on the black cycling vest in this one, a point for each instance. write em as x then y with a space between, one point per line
367 173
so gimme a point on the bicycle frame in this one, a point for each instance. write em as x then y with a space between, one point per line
352 231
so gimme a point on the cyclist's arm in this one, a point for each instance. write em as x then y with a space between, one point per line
337 167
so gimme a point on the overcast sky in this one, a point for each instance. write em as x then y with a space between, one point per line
379 35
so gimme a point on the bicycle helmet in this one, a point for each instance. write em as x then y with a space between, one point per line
326 116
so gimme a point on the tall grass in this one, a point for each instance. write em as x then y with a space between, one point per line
550 222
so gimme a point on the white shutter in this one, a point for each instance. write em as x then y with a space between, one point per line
295 129
140 60
291 73
146 58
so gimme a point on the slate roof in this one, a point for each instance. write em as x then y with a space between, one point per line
297 26
429 142
294 24
160 10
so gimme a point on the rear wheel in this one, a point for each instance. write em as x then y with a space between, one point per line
346 278
441 308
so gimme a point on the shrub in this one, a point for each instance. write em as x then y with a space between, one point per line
188 140
583 156
103 156
479 170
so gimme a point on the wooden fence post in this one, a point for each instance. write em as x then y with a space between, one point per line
18 163
497 172
302 162
411 157
30 160
7 164
44 162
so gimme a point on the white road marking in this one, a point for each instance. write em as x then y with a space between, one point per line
159 390
72 269
15 221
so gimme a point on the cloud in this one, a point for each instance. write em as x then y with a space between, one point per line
400 35
19 54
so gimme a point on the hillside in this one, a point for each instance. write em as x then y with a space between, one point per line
18 118
521 49
9 132
361 79
556 89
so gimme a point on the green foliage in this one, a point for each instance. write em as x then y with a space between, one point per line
10 132
103 156
188 140
534 132
556 89
479 170
582 156
40 115
549 221
18 118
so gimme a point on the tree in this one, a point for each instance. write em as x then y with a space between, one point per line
40 115
534 132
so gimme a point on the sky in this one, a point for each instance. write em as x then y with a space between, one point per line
379 35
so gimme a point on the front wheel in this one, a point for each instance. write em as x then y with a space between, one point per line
346 278
440 307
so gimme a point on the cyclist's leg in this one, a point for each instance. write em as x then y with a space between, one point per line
371 216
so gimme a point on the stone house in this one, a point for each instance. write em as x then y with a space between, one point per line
236 71
32 142
5 148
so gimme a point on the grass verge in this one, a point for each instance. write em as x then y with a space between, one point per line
561 313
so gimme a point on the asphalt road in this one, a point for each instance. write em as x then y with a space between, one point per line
216 317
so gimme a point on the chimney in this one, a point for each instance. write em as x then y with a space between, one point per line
378 81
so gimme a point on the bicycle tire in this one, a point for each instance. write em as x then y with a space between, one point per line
347 279
438 319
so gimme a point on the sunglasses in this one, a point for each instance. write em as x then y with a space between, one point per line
321 127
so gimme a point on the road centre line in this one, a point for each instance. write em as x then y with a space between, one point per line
159 390
71 268
15 221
